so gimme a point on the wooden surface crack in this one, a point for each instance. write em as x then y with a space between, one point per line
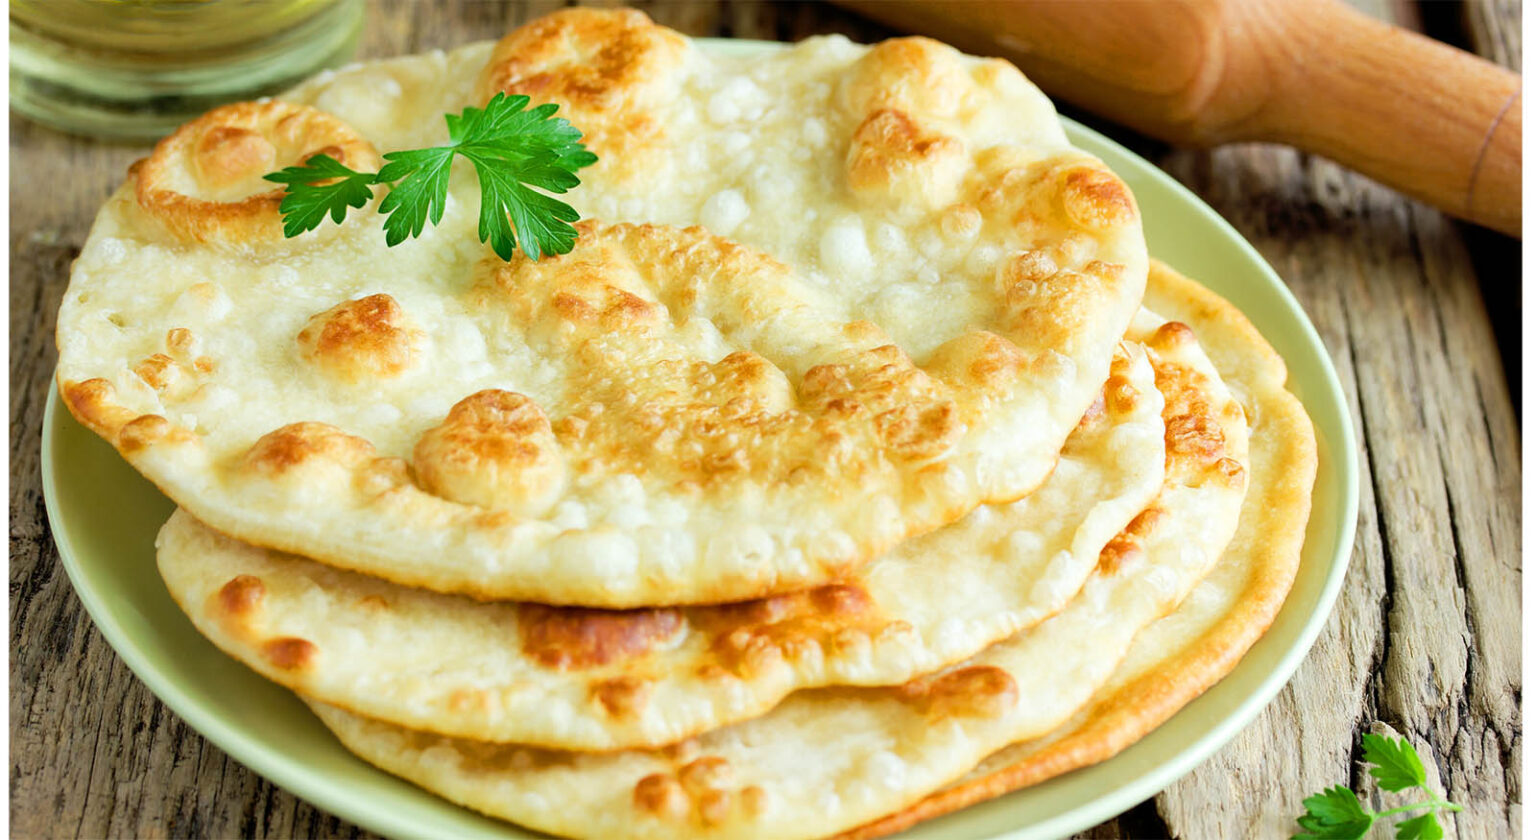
1145 821
1376 665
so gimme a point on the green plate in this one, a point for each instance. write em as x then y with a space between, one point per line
105 517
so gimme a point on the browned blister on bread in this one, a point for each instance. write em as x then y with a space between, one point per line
241 597
1197 448
1040 197
495 450
896 165
918 76
607 70
204 182
754 636
974 691
300 447
1051 303
361 340
577 638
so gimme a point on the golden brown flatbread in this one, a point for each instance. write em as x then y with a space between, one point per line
575 678
830 759
825 299
1178 658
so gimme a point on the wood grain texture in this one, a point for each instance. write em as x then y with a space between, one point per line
1425 638
1493 29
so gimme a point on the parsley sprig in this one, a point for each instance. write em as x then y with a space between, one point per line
513 149
1336 813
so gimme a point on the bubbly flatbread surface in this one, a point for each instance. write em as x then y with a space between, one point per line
577 678
831 759
828 298
1176 659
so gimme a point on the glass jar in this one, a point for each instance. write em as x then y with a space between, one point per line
135 69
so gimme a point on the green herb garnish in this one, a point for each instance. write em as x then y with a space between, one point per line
1336 813
513 150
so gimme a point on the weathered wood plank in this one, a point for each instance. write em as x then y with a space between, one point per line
1413 640
1255 784
62 671
1389 289
1493 29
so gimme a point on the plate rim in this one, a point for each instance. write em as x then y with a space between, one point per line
280 769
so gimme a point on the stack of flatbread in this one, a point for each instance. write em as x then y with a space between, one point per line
856 465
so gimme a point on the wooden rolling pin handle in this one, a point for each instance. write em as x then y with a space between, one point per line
1432 121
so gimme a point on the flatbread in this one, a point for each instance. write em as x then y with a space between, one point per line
670 414
574 678
1178 658
831 759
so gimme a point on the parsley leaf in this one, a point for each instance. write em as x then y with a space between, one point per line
1424 827
421 193
319 186
1397 765
521 156
1336 813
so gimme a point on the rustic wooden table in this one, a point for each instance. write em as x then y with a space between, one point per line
1425 638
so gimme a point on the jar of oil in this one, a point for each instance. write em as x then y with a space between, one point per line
135 69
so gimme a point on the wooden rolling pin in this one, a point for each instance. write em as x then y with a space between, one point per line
1432 121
